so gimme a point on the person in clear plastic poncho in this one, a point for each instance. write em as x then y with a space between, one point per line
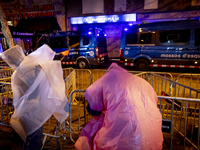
38 92
126 114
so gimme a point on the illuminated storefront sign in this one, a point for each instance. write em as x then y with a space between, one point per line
18 34
25 34
103 19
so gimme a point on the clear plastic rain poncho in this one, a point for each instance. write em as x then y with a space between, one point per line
38 89
130 119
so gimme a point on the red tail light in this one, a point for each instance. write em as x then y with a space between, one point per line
121 55
121 52
96 52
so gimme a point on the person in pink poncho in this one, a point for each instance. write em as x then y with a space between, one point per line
125 112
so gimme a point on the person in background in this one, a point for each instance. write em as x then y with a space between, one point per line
38 92
125 112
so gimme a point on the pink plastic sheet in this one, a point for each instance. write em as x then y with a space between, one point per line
130 118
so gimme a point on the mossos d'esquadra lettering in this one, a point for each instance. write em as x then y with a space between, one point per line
181 56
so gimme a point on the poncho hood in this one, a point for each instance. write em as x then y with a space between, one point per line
13 56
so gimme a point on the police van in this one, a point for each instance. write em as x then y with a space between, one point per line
163 44
86 48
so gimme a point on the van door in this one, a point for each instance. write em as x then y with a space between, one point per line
147 44
85 46
102 47
147 41
58 43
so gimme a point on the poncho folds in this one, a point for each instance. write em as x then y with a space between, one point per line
130 119
38 89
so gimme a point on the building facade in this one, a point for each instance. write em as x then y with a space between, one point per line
84 14
29 19
145 11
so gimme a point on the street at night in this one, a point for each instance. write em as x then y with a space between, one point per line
99 74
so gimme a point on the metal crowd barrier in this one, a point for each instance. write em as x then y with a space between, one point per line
178 107
176 120
5 73
4 65
97 74
78 116
191 80
83 78
52 128
67 71
182 124
6 103
181 104
159 82
74 79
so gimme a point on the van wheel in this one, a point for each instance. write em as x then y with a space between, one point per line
82 64
142 65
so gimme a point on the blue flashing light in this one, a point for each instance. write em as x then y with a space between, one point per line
97 34
130 24
125 29
89 33
104 34
28 40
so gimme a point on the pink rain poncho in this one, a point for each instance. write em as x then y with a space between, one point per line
38 89
130 119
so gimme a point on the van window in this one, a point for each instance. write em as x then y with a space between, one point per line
85 40
73 39
145 38
131 38
197 37
173 37
58 42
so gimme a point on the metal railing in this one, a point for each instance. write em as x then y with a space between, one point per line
184 120
191 80
6 106
5 73
77 120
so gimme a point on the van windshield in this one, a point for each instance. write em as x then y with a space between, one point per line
58 42
63 41
73 39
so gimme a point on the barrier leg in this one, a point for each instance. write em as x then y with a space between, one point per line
43 142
